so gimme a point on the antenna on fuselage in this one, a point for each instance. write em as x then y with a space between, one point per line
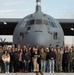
38 5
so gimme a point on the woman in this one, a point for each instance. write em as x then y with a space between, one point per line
35 62
27 59
43 60
20 57
6 60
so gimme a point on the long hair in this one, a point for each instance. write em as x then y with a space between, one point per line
5 51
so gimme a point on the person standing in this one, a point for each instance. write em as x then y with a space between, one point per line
12 62
30 63
27 59
65 60
16 61
52 57
32 57
47 60
35 60
43 60
70 60
58 60
73 60
1 63
20 58
6 60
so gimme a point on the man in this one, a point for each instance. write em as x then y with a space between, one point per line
1 63
58 60
73 60
65 60
51 57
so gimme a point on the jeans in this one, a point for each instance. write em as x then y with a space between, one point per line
6 67
43 65
26 65
47 66
51 64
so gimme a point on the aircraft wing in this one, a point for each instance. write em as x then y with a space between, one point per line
7 29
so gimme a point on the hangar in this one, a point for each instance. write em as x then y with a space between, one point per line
7 29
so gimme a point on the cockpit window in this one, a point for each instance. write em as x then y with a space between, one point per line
24 23
31 22
28 28
45 22
53 24
38 21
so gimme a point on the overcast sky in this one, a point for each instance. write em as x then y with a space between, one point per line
21 8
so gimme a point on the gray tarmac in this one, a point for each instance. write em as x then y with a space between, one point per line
35 73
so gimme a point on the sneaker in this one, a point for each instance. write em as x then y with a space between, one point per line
53 72
50 71
5 72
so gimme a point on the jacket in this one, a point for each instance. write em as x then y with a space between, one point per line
27 56
51 55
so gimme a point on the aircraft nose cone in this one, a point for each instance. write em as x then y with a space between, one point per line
40 39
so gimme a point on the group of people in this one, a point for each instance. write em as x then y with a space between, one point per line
33 59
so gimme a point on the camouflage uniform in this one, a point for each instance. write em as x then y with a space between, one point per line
58 62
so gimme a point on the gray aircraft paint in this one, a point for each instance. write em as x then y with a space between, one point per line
38 33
